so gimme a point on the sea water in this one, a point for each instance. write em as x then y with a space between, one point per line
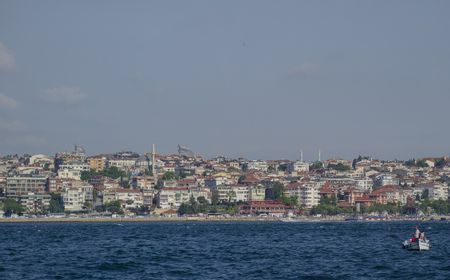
221 250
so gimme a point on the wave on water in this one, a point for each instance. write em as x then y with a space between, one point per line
220 250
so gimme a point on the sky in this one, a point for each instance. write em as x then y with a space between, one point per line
255 79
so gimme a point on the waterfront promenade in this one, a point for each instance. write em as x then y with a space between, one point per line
204 219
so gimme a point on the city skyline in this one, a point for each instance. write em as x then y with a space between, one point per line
319 156
256 79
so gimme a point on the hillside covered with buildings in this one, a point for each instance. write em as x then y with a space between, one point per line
127 183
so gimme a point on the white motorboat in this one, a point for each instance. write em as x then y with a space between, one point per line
291 220
416 244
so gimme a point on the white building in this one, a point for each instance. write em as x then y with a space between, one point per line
232 193
124 164
435 191
143 182
69 174
297 166
307 193
173 197
259 165
35 203
77 198
385 179
41 160
364 184
129 198
23 185
257 193
200 192
78 166
217 181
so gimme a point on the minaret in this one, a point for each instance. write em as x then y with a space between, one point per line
153 162
301 155
319 155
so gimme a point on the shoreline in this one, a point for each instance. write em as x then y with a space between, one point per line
202 219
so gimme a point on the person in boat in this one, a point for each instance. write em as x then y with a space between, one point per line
417 233
422 236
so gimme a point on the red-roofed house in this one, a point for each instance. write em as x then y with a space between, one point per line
327 190
388 194
269 207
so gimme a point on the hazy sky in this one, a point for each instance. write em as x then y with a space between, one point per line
258 79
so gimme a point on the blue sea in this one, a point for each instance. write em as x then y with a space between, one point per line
221 250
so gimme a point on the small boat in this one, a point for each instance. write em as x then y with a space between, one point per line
290 220
418 242
375 218
416 245
354 218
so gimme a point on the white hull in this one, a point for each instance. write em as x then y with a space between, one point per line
419 245
290 220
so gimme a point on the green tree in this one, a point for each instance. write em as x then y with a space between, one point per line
328 206
325 200
56 205
422 163
110 172
291 201
417 197
94 195
231 195
316 165
440 163
192 200
114 173
339 167
113 207
87 205
214 197
190 208
169 175
278 190
183 209
282 167
233 169
271 169
124 183
244 167
425 194
159 184
440 207
10 206
87 175
232 209
241 179
354 162
202 200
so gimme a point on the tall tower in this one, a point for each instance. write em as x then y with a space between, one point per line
319 155
153 162
301 155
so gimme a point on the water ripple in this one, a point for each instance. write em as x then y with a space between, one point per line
220 250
